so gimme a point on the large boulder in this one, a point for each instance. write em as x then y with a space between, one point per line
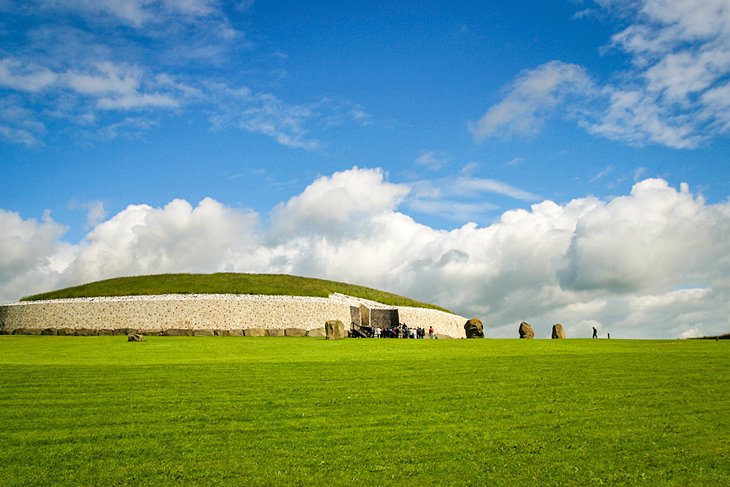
334 330
558 331
254 332
274 332
526 330
474 328
135 337
317 332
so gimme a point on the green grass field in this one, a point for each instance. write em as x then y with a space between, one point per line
305 411
226 283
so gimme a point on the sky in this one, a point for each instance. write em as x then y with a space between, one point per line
549 162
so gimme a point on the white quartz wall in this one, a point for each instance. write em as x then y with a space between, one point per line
217 312
443 323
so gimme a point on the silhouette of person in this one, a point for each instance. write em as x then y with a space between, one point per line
595 332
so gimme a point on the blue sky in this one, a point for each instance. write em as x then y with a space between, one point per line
203 135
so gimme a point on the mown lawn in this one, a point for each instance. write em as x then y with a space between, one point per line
292 411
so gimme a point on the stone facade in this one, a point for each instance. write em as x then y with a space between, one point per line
211 314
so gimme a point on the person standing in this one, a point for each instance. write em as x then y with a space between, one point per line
595 332
430 332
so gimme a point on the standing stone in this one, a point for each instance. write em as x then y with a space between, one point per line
474 328
558 331
334 330
526 330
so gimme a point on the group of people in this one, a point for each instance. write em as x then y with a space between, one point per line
402 331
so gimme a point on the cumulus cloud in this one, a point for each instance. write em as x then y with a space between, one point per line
338 204
675 92
652 263
30 251
175 237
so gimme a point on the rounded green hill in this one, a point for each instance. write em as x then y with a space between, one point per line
226 283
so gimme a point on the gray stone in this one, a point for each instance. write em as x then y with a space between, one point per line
275 332
334 330
317 332
558 331
229 333
85 332
295 332
474 328
526 330
255 332
135 337
49 331
178 332
203 332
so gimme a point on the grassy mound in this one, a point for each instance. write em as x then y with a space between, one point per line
307 411
226 283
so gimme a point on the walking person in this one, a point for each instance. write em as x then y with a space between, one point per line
595 332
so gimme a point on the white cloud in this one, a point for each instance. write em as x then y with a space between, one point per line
469 186
106 78
21 76
462 198
266 114
149 56
177 237
120 87
95 211
338 204
431 160
653 263
28 249
674 93
18 124
135 13
531 98
130 127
